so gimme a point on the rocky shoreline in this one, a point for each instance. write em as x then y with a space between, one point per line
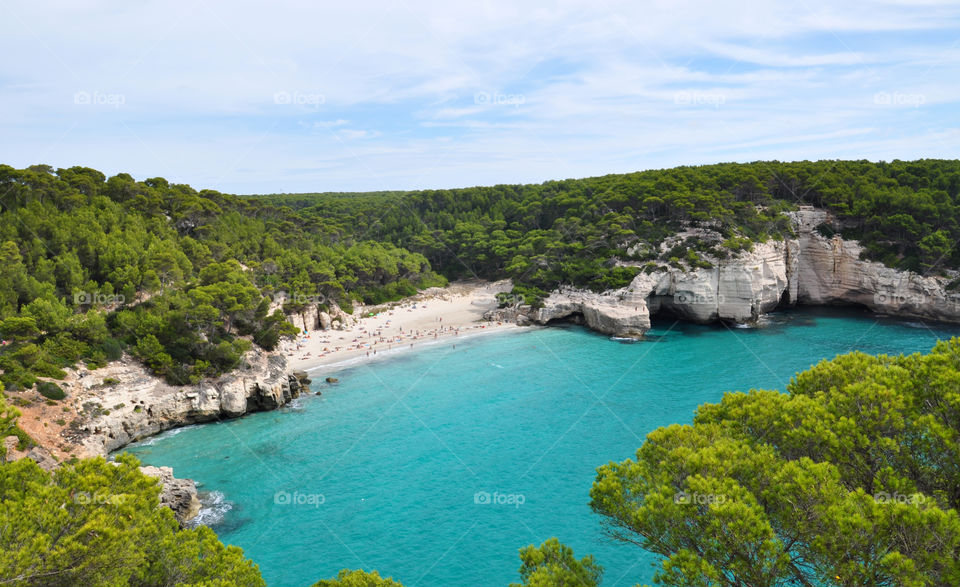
123 402
809 269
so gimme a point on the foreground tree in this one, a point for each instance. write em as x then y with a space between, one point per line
99 523
358 578
553 564
851 478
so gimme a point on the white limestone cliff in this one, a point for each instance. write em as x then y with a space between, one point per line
809 269
123 402
830 271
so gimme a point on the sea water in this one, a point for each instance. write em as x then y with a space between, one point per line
435 467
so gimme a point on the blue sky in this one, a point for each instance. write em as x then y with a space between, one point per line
290 97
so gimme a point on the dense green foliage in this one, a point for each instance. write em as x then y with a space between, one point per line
553 564
90 266
93 523
357 578
576 231
850 478
97 523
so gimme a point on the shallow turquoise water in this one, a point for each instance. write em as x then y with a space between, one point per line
401 450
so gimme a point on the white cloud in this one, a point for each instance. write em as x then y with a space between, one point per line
240 98
352 134
328 123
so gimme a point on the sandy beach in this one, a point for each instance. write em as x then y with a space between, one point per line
435 316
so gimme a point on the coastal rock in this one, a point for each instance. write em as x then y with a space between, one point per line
307 319
737 290
10 451
830 271
43 458
810 269
37 454
233 397
325 321
603 313
142 405
180 495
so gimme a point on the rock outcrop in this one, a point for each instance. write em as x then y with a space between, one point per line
830 271
123 402
37 454
809 269
311 317
601 313
180 495
737 290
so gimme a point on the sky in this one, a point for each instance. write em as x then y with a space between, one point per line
281 97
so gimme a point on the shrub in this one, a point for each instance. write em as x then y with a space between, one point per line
112 348
44 369
50 390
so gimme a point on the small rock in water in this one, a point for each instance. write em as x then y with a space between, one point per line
332 380
319 393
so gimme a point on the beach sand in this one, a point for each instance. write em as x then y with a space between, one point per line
435 316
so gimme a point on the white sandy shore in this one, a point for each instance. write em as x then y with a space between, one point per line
433 317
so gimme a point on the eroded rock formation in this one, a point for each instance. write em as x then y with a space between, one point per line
123 402
809 269
180 495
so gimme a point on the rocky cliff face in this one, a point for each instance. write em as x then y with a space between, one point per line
180 495
829 271
737 290
123 402
603 313
809 269
311 317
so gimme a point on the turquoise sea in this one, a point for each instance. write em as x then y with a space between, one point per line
434 467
